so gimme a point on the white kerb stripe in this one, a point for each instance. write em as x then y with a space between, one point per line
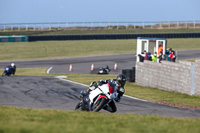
49 70
88 86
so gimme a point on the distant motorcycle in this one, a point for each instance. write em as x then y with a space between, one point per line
104 70
97 99
7 71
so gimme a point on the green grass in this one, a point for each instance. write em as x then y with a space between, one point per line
99 31
63 49
20 120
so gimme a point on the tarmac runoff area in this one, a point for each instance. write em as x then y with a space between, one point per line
59 93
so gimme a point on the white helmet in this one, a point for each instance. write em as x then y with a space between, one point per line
12 64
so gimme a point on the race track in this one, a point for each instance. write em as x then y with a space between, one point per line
54 93
82 65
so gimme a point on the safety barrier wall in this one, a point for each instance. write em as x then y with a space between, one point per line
197 77
111 36
182 77
13 39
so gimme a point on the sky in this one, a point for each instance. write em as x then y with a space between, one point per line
37 11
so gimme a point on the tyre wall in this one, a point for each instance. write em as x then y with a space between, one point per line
111 36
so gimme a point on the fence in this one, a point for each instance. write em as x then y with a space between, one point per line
50 26
183 77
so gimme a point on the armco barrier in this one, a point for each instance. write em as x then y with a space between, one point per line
111 36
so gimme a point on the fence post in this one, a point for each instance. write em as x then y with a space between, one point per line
58 25
92 25
192 82
186 24
12 27
160 24
4 27
19 27
34 27
143 24
135 25
66 24
26 27
194 24
177 25
49 26
126 25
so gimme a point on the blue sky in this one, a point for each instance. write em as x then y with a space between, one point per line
32 11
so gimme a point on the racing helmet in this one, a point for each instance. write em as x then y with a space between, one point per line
121 80
12 64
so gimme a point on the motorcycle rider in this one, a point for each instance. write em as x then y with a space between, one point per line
120 81
12 67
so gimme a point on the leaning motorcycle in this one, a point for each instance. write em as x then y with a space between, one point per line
103 70
98 98
7 72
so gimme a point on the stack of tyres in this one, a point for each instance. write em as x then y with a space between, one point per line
130 74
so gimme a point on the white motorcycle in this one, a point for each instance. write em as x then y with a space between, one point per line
98 98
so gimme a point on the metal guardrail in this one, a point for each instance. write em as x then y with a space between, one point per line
49 26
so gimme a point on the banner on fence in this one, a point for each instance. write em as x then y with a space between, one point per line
13 38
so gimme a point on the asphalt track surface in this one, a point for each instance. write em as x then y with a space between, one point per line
54 93
82 65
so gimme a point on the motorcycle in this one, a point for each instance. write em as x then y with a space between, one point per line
7 71
104 70
98 98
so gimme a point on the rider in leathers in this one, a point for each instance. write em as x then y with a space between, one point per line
120 81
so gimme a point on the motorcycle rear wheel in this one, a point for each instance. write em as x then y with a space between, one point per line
99 105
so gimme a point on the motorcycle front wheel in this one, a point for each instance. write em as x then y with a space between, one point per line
3 74
78 106
99 105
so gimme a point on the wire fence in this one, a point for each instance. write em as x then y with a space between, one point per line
51 26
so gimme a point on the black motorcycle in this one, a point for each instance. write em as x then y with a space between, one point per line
7 72
104 70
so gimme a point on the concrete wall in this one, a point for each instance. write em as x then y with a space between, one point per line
169 76
197 77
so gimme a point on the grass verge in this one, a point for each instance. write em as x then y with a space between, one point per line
20 120
63 49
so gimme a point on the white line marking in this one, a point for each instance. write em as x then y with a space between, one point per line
135 98
49 70
74 82
61 78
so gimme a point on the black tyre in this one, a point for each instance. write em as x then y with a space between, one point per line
78 106
99 105
4 74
